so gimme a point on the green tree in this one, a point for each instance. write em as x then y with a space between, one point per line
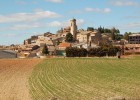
101 30
117 31
90 29
118 37
45 49
106 30
113 30
126 35
115 34
69 37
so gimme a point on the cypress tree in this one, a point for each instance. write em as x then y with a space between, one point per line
45 49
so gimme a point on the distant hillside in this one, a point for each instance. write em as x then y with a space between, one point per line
7 54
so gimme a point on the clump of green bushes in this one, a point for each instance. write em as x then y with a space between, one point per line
97 52
103 51
76 52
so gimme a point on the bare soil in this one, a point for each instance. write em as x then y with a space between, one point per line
14 75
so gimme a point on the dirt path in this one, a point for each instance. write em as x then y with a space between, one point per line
14 78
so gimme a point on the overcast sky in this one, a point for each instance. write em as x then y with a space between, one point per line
19 19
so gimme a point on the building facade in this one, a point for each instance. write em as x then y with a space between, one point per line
134 39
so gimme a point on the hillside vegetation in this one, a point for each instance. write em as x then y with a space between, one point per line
86 79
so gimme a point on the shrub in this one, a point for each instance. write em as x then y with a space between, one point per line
76 52
103 51
92 52
99 52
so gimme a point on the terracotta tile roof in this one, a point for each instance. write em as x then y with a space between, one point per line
65 44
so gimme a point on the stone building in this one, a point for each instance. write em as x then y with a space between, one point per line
80 35
134 39
27 41
93 37
73 27
70 29
67 30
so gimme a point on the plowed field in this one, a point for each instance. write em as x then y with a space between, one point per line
86 79
14 78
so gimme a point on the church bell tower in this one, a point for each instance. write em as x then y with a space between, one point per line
73 27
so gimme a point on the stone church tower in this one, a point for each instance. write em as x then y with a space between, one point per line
73 28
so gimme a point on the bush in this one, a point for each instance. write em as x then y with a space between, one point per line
82 52
76 52
99 52
113 50
92 52
103 51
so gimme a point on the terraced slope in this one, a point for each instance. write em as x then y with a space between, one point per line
85 79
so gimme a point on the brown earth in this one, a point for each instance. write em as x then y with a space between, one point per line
14 75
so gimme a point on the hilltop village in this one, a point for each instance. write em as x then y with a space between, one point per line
56 43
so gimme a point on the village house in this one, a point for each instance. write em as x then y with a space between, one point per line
81 45
64 45
89 37
133 44
60 50
134 39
